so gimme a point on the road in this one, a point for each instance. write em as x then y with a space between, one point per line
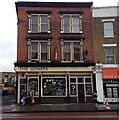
62 116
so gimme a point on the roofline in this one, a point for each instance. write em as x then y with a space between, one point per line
53 4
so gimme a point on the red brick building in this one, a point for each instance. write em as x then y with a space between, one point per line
55 51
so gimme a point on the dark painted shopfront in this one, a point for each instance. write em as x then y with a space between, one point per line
57 84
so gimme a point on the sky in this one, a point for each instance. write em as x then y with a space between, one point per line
8 29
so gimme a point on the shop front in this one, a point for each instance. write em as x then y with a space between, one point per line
111 84
56 84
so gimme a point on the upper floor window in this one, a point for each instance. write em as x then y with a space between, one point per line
108 29
71 23
39 51
39 23
110 55
71 51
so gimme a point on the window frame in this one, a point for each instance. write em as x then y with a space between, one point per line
39 23
71 26
110 55
108 29
71 50
39 50
56 77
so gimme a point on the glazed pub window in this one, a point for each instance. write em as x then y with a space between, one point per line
110 55
39 51
53 87
33 85
71 23
71 51
108 29
39 23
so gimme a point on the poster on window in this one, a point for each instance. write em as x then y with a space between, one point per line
54 86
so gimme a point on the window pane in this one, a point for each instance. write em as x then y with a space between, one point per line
34 55
109 92
43 56
34 50
66 56
67 47
34 27
80 80
73 89
66 51
75 24
44 19
76 51
34 23
108 25
44 47
44 50
66 24
33 85
115 92
44 27
110 60
34 47
54 86
72 80
109 51
34 19
88 89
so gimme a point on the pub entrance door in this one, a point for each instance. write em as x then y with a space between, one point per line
81 95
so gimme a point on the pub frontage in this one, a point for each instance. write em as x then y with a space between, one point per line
56 84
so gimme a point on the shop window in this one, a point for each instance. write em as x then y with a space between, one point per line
22 81
115 92
73 89
80 80
87 79
33 85
109 92
54 87
88 89
72 80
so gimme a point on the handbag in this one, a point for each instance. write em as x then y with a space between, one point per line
33 100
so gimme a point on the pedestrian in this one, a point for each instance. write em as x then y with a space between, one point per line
32 97
94 96
23 97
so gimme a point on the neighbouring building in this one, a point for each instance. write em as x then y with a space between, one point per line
6 77
55 51
106 51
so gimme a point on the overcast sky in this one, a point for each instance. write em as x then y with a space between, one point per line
8 29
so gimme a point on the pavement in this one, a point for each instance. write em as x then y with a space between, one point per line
9 106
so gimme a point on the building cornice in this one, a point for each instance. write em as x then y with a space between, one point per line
53 4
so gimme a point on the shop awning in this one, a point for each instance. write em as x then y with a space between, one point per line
110 73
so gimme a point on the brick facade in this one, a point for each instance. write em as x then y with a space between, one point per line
55 31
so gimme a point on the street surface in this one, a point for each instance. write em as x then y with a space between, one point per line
62 116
